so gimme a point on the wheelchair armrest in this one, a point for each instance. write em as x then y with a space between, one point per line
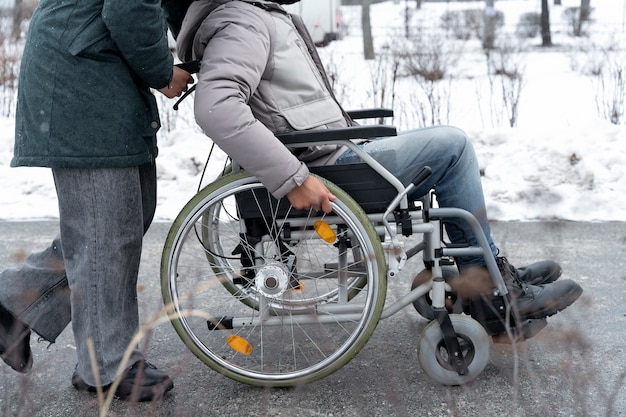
334 135
370 113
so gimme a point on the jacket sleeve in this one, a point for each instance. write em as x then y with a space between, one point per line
236 52
139 30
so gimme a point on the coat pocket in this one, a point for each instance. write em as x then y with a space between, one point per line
93 40
315 113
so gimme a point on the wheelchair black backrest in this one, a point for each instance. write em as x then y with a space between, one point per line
367 187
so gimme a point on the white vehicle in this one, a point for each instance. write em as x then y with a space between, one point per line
321 17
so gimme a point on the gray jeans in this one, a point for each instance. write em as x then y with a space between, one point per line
89 272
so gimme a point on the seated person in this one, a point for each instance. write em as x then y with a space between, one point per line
260 75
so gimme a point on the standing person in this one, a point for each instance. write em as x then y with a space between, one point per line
85 109
260 75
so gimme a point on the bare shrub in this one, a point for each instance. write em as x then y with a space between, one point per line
610 87
10 57
173 119
429 60
384 75
453 21
605 63
505 69
21 14
465 24
529 25
430 105
339 85
578 24
588 58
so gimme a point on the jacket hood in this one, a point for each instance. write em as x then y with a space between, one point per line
197 12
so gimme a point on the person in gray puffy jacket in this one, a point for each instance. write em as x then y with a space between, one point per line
260 75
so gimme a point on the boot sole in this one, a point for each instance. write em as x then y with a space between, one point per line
126 391
155 392
563 302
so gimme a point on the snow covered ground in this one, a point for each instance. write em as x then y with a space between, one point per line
562 160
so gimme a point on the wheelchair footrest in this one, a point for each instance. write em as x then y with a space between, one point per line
491 316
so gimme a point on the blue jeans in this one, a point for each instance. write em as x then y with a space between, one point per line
455 175
89 272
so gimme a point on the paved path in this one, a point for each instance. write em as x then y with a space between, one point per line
574 367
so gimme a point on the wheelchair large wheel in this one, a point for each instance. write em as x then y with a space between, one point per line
433 355
269 295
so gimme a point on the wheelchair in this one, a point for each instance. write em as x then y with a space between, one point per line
273 296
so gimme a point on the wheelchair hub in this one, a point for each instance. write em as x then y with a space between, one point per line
272 279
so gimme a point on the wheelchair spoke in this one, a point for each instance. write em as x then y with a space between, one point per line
259 295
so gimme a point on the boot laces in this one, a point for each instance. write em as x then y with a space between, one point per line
509 273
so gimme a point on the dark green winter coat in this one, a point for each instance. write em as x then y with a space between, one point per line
84 96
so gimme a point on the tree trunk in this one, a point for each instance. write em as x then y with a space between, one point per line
489 35
407 28
18 17
585 11
368 42
22 10
546 37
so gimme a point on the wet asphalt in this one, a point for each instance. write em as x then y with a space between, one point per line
576 366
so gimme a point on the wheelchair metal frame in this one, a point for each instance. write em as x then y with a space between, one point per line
399 220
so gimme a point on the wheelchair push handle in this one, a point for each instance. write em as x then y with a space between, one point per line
192 67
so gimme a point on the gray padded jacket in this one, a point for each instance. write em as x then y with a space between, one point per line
258 77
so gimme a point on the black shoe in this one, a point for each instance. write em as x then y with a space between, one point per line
141 382
14 342
545 300
525 301
537 301
542 272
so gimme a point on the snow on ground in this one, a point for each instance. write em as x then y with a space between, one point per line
561 161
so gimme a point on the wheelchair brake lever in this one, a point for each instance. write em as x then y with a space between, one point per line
184 96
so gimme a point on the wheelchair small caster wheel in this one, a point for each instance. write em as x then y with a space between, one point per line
423 305
433 356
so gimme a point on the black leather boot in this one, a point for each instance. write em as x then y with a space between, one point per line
523 301
14 342
141 382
